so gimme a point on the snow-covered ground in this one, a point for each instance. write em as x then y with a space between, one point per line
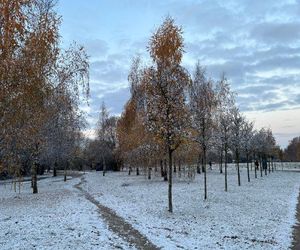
59 217
257 215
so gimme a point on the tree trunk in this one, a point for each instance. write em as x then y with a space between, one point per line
221 163
137 171
104 165
261 169
226 168
34 178
165 171
161 168
269 165
54 169
248 172
65 173
149 173
238 167
198 164
205 178
266 166
175 167
170 182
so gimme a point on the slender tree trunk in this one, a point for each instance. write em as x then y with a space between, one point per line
221 162
161 168
34 178
198 164
165 171
205 178
35 170
137 171
179 168
175 170
238 167
202 161
129 171
65 173
266 166
261 168
170 182
149 173
269 165
226 155
248 172
272 162
54 169
104 165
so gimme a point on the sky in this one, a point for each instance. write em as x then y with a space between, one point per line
255 42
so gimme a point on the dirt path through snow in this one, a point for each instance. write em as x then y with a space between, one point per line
117 224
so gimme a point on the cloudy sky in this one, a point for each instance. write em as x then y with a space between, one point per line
256 42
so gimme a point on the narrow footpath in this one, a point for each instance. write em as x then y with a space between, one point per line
296 232
117 224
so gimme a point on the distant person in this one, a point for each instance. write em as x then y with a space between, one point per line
256 164
210 164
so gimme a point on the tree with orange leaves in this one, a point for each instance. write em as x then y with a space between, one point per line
32 69
166 83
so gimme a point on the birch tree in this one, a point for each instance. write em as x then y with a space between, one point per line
226 103
236 137
246 142
167 82
202 105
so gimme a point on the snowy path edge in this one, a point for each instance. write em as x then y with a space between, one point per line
118 224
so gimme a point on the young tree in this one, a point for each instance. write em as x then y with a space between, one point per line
202 107
237 137
226 103
166 84
246 142
101 133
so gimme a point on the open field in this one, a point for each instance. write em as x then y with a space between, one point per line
257 215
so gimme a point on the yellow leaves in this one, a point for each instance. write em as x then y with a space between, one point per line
30 71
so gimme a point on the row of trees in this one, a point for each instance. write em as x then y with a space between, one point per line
292 152
173 115
40 89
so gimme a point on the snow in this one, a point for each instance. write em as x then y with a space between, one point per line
257 215
59 217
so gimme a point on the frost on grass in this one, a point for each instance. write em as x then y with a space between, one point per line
257 215
59 217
